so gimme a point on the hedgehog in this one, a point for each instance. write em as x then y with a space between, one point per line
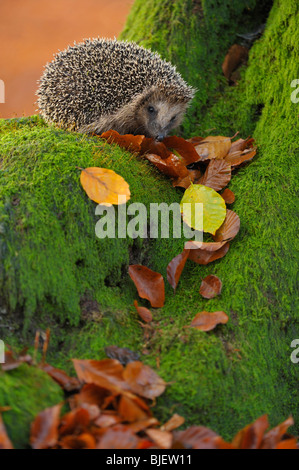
101 84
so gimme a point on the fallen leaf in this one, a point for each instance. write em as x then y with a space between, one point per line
82 441
171 166
143 312
237 158
236 56
130 142
69 384
143 380
150 284
229 228
252 435
213 147
183 147
213 208
118 437
217 174
210 287
150 145
173 423
206 321
104 186
175 268
228 196
130 410
206 252
162 439
44 429
5 442
195 437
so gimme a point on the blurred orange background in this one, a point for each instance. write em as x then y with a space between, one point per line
31 31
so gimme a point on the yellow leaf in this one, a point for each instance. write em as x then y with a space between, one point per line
213 208
104 186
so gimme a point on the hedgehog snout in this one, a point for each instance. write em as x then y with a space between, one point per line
159 137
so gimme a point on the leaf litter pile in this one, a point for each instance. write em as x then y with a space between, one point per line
110 407
110 401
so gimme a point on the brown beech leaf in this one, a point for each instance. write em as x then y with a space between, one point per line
44 429
81 441
104 186
143 380
206 252
127 141
236 56
118 437
130 410
150 145
184 182
228 196
195 140
107 419
210 287
217 174
229 228
252 435
150 285
90 394
141 425
171 166
235 159
75 420
107 374
206 321
183 147
273 437
173 423
213 147
5 442
13 361
69 384
195 437
162 439
175 268
240 145
144 313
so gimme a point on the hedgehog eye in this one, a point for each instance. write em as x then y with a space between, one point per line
173 119
151 109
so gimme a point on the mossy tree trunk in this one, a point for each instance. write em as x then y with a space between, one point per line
55 272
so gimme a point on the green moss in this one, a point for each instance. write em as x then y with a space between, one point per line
27 391
51 258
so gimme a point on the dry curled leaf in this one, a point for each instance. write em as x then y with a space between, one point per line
173 423
235 159
195 437
104 186
206 321
171 166
143 312
229 228
210 287
213 147
206 252
163 439
150 284
143 380
175 268
183 147
236 56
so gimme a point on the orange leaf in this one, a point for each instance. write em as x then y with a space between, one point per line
5 442
150 285
69 384
130 411
44 429
206 321
183 147
252 435
162 439
104 186
195 437
229 228
171 166
210 287
173 423
175 268
127 141
206 252
143 312
228 196
118 437
150 145
143 380
235 159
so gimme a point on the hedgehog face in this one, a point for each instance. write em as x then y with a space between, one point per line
158 116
